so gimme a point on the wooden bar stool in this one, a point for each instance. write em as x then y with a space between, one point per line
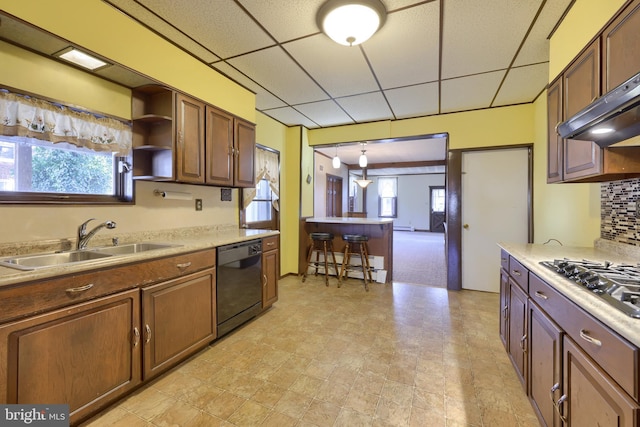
321 242
356 244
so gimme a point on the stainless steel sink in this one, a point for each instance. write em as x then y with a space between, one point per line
32 262
132 248
36 261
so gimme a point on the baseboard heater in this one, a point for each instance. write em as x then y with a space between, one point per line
403 228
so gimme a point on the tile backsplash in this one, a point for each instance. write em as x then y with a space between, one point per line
619 221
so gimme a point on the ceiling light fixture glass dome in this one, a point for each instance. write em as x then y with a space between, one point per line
350 23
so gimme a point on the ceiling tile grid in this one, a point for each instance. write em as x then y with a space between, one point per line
430 57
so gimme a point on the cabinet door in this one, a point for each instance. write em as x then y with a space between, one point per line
545 373
621 48
581 86
178 318
504 308
219 143
245 145
269 278
189 139
85 355
518 329
591 397
554 141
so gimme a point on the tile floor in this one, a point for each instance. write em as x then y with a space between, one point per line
399 355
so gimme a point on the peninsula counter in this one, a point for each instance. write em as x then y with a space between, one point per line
379 231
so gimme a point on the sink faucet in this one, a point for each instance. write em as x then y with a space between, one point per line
84 236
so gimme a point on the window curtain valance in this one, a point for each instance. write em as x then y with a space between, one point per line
267 167
43 120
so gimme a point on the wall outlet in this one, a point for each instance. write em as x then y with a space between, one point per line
198 204
225 194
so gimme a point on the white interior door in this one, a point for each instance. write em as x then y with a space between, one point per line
495 188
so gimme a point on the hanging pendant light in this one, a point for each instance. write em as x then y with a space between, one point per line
336 160
362 161
364 182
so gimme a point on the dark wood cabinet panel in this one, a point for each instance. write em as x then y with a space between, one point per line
590 396
86 356
518 330
581 86
219 147
270 261
189 139
504 308
178 319
621 48
555 146
245 145
545 368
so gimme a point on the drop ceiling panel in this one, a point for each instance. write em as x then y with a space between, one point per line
522 83
324 113
412 101
221 25
366 107
274 69
477 39
405 51
340 70
536 47
414 150
165 29
290 117
264 99
299 16
469 93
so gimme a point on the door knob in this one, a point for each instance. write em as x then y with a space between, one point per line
465 226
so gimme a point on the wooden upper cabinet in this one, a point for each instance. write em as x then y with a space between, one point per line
581 86
621 48
219 147
554 118
245 146
190 124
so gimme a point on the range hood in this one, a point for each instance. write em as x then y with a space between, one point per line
611 118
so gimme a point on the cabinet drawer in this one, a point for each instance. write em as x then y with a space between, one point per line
269 243
614 354
504 260
35 297
519 273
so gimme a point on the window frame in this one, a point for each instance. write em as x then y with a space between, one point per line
394 199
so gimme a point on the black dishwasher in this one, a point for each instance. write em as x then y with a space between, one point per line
238 284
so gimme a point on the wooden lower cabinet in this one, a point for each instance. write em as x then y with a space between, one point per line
590 397
86 355
545 367
504 308
270 270
178 319
518 330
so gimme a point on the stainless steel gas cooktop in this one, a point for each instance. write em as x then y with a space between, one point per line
619 285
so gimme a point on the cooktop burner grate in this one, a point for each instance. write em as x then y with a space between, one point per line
618 285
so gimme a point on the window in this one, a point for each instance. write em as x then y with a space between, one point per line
437 199
54 154
260 207
387 197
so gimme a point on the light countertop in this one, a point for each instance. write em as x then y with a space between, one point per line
530 256
186 239
348 220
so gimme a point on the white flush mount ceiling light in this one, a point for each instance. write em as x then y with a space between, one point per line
81 58
351 22
336 160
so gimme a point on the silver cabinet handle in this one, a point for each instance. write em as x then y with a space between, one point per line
553 390
504 259
79 289
585 336
504 311
136 336
183 265
522 342
559 403
541 295
148 330
264 280
516 272
270 243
